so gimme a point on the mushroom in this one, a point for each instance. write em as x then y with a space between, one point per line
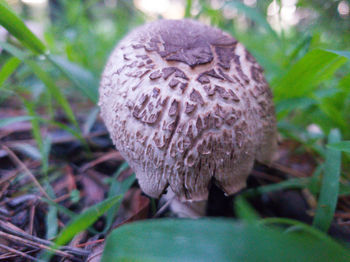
187 105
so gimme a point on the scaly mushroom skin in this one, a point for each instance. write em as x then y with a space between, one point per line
186 104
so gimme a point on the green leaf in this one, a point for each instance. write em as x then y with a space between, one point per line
316 66
11 120
85 219
342 146
328 198
216 240
84 80
12 23
8 68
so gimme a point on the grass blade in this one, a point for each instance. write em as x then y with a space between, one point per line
328 198
82 222
80 77
216 240
18 29
46 79
244 210
188 9
342 146
118 188
288 184
8 68
85 219
11 120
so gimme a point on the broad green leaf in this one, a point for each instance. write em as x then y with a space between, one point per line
11 120
216 240
85 219
81 78
315 67
329 191
12 23
342 146
8 68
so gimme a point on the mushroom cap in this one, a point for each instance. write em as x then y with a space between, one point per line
187 105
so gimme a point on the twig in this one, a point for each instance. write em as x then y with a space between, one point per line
9 177
90 243
35 244
22 234
95 255
115 155
31 221
16 160
8 255
161 210
288 170
20 253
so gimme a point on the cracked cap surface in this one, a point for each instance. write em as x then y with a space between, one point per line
186 104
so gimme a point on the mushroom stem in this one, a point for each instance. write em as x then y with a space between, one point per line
188 209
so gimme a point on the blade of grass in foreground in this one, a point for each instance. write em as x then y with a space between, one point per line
216 240
328 198
12 23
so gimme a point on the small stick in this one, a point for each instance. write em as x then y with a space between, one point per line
34 244
161 210
90 243
7 228
31 222
16 160
19 253
288 170
11 255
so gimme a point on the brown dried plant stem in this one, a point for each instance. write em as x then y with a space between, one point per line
18 162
